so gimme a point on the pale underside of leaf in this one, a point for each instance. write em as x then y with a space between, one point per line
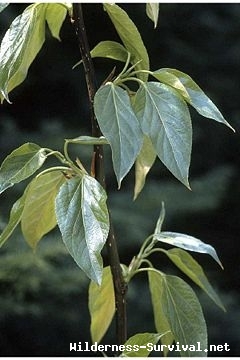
187 242
120 127
82 217
38 216
165 119
143 164
152 10
101 304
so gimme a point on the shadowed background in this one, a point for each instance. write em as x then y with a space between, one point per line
43 296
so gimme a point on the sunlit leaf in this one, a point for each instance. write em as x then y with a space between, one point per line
3 6
101 304
152 10
120 127
165 118
156 288
82 217
140 345
88 140
130 37
38 216
191 92
143 164
55 15
19 47
14 219
21 164
185 262
111 50
187 242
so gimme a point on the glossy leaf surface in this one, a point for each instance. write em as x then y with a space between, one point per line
21 164
187 242
3 6
38 216
191 92
101 304
120 127
164 117
185 262
82 217
130 37
19 47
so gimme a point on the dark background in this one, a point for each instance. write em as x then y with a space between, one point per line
43 295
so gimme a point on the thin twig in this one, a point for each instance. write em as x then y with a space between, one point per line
99 173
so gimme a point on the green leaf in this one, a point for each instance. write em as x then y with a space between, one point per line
111 50
156 288
183 312
191 92
101 304
140 345
55 15
165 118
19 47
130 37
120 127
187 242
152 10
82 217
158 227
144 162
38 216
88 140
21 164
185 262
14 219
3 6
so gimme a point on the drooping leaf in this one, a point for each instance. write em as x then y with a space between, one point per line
156 288
152 10
14 219
3 6
185 262
101 304
82 217
130 37
21 164
55 16
111 50
191 92
140 345
187 242
19 47
120 127
164 117
144 162
185 317
38 216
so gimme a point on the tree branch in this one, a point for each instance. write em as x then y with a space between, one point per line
120 287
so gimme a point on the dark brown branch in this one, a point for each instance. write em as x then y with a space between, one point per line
99 173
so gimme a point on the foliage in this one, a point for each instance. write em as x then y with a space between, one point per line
140 120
